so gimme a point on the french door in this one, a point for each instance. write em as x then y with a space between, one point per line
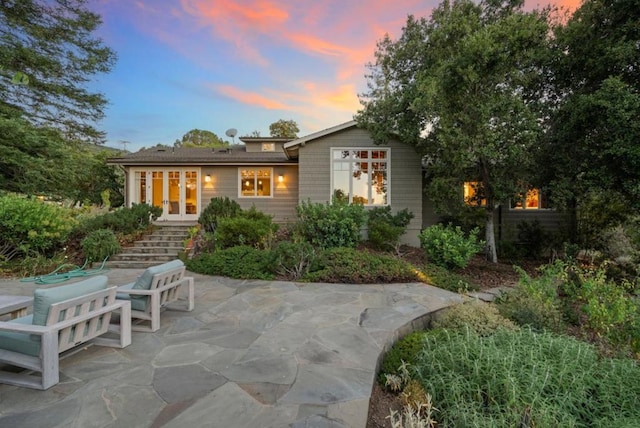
175 190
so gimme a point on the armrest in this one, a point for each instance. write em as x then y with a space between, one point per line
169 286
24 328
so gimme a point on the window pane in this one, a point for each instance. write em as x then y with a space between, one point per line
360 183
248 182
379 184
341 185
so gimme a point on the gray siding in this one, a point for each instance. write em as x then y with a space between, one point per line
404 174
282 206
508 219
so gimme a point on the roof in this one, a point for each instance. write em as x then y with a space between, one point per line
237 155
294 144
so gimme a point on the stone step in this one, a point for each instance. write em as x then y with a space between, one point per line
155 237
152 244
154 249
129 264
166 257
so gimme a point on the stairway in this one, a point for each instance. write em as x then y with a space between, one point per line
161 246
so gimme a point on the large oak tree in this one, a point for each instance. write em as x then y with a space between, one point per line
459 87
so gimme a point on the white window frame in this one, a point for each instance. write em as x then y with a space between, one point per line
541 198
255 183
370 149
268 147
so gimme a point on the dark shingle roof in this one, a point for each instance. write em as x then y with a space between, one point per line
200 156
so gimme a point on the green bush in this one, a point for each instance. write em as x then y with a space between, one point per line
30 226
251 228
535 301
100 244
522 378
447 246
236 262
404 350
481 318
330 225
348 265
124 221
447 280
533 239
218 208
385 229
293 259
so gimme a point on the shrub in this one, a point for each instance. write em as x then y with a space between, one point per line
535 302
509 377
385 229
293 259
123 221
32 226
251 228
330 225
236 262
533 239
405 351
100 244
442 278
347 265
481 318
447 246
217 208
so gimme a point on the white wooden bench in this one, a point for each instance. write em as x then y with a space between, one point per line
69 323
157 288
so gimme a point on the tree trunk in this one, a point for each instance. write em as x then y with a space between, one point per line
490 237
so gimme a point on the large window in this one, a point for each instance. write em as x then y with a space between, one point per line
256 183
532 200
360 176
474 194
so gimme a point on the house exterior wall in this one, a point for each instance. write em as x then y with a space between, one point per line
405 175
225 182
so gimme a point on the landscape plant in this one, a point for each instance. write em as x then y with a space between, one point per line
332 225
447 246
216 209
248 227
100 244
242 262
293 259
385 228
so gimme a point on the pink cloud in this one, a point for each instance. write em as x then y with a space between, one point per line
250 98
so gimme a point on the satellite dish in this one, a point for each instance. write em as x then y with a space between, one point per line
231 132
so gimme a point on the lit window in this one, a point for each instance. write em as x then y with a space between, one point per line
360 176
533 200
255 182
474 194
268 147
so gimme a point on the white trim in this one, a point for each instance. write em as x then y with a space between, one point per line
387 160
319 134
256 196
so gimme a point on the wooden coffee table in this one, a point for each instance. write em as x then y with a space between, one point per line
16 306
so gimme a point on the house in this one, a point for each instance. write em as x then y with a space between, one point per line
276 174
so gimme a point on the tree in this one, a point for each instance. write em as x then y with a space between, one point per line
201 138
459 87
284 129
47 55
592 145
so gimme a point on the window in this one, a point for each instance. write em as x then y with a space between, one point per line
474 194
533 200
256 182
360 176
268 147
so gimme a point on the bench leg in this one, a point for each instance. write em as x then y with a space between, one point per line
50 359
190 294
155 312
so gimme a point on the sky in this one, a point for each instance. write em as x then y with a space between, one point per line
242 64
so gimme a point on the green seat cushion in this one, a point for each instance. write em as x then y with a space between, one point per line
23 343
43 298
138 303
144 281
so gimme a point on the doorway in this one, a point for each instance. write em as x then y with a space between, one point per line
175 190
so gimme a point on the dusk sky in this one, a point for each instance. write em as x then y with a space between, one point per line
244 64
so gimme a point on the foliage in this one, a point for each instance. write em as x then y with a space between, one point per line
201 138
535 301
533 239
100 244
447 280
447 246
252 228
524 378
330 225
467 75
94 181
350 266
385 229
52 44
404 352
240 262
122 221
284 129
481 318
31 226
216 209
293 259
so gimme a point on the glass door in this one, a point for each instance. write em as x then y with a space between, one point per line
176 191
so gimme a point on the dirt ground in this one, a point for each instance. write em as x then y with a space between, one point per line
485 275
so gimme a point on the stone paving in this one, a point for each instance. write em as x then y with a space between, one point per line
251 354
